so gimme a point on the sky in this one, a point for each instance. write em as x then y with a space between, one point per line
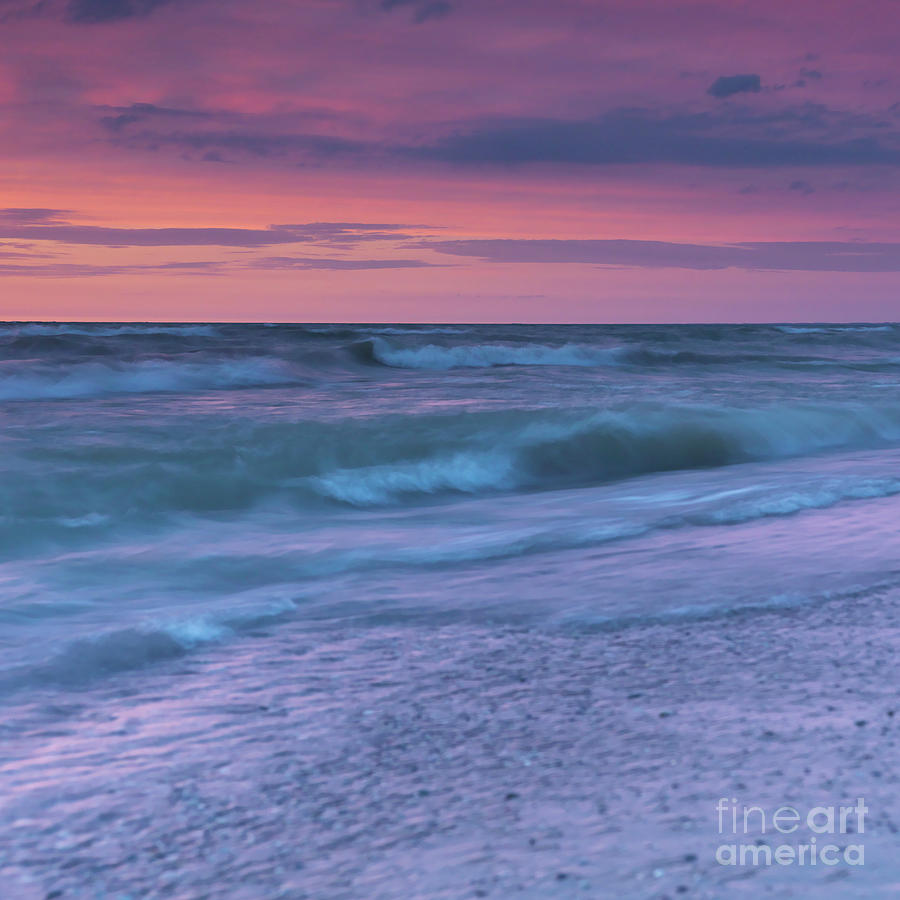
450 160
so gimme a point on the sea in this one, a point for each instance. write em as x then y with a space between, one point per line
230 548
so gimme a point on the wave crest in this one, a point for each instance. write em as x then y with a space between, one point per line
124 649
472 356
392 459
607 446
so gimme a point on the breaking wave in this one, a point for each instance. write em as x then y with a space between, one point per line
440 357
459 356
123 649
393 459
599 447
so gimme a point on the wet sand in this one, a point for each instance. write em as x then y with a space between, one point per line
460 762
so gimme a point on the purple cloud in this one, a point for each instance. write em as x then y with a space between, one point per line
820 256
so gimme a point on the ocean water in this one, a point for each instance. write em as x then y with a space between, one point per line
188 507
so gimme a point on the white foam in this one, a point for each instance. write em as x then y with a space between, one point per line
817 498
435 356
463 472
607 446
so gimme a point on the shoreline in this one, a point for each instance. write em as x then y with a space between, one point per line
463 761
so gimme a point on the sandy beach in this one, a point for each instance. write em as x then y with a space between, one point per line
463 762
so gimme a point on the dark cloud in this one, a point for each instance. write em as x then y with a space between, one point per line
93 12
343 233
101 236
221 136
727 85
84 270
348 234
330 229
807 75
423 10
14 215
819 256
309 147
202 267
802 187
435 10
35 229
808 135
20 10
21 251
78 12
313 262
122 116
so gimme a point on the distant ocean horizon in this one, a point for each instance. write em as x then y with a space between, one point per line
418 323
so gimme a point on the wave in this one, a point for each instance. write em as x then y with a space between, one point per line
801 329
831 329
94 379
821 497
439 357
414 329
138 354
459 356
123 649
120 650
385 460
494 543
645 356
608 446
358 330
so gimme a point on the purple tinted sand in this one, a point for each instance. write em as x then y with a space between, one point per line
460 762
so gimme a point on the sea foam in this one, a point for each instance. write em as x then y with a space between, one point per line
458 356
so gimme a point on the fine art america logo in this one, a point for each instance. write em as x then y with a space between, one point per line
788 836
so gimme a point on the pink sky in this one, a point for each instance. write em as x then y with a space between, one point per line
449 160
